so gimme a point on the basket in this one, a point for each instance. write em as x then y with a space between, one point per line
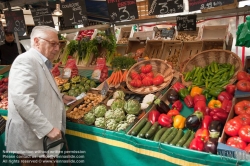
206 57
158 67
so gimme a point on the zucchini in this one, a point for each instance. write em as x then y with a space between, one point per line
171 136
184 139
153 129
144 130
191 137
165 134
159 134
177 137
139 126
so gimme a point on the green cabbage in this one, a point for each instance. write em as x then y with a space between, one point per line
100 110
89 118
119 114
117 103
132 106
111 124
118 94
109 114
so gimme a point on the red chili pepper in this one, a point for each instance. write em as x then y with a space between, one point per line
177 105
202 134
224 95
199 98
178 86
226 105
200 106
189 101
196 144
165 120
153 116
206 122
173 112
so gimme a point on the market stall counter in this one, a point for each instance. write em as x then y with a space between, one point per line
96 146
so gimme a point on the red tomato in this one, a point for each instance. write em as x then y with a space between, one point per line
146 68
158 80
247 149
243 85
244 133
230 89
135 75
242 75
150 74
143 75
236 142
244 119
232 127
147 81
242 107
136 83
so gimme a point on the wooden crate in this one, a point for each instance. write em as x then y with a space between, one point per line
188 35
142 8
171 50
229 6
121 49
215 32
230 42
153 49
189 49
134 45
213 44
124 35
142 35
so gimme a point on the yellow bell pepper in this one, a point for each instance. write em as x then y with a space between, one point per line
214 104
179 121
195 91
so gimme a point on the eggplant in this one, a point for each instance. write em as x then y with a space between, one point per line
215 128
194 120
161 106
211 145
172 95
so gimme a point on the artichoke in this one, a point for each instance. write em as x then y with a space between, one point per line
118 94
132 107
119 114
117 103
109 114
89 118
111 124
100 122
100 110
122 126
130 118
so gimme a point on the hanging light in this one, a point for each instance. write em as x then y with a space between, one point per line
3 19
57 11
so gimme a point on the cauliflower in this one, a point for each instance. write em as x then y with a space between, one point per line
100 110
130 118
100 122
117 103
132 107
122 126
144 106
118 94
119 114
89 118
148 99
109 114
111 124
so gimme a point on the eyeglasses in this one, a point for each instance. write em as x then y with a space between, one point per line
53 44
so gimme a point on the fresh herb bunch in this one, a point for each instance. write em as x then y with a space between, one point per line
70 49
122 62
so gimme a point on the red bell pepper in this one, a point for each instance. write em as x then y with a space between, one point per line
173 112
206 122
200 106
165 120
231 89
227 105
178 86
196 144
153 116
189 101
199 98
224 95
177 105
218 114
202 134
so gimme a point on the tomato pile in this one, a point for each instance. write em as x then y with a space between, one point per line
85 33
243 83
146 77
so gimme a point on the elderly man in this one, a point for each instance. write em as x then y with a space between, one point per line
36 107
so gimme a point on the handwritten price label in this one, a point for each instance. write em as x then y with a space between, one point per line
158 7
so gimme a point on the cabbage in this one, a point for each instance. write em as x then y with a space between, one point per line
100 110
111 124
109 114
89 118
119 114
118 94
117 103
132 107
100 122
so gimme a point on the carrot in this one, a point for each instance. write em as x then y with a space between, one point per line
110 78
124 75
121 76
115 78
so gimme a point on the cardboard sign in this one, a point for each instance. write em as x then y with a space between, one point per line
42 16
157 7
74 13
105 88
122 10
167 32
15 21
186 23
200 5
2 36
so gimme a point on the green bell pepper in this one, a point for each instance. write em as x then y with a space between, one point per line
215 91
183 93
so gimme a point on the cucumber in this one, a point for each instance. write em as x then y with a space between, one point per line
153 129
191 137
183 139
159 134
144 130
139 126
171 136
177 137
165 134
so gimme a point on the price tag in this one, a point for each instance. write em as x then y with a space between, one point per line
66 73
15 21
186 23
200 5
105 88
42 16
82 95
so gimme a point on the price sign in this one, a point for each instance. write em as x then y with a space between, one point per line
105 88
186 23
157 7
42 16
15 21
74 13
2 36
122 10
207 4
167 32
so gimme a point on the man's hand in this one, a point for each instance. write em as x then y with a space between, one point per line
54 134
67 98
